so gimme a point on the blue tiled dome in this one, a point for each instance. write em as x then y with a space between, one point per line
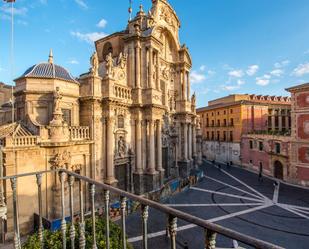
50 71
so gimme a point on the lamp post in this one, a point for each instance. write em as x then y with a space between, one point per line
3 208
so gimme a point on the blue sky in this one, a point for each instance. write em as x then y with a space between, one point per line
237 46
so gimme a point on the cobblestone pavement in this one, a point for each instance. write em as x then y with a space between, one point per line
234 198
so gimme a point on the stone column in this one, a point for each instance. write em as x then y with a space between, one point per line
159 146
280 121
151 169
183 86
144 144
179 150
110 148
188 86
190 141
185 141
194 141
150 73
138 66
273 123
138 142
287 121
158 70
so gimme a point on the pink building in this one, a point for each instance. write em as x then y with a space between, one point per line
267 152
300 133
286 156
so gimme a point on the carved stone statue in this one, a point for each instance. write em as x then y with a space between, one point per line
94 61
109 64
122 60
122 147
57 99
193 99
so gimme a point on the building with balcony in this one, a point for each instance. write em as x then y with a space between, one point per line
281 154
130 121
268 153
226 119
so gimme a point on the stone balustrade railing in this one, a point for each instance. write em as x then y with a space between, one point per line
23 141
79 133
122 92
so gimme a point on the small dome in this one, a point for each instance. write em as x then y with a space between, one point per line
49 70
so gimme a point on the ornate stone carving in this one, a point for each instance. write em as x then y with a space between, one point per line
57 99
61 160
94 62
109 65
121 147
122 60
193 99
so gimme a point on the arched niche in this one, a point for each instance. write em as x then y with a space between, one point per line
170 46
108 48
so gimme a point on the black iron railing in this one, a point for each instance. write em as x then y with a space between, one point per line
68 177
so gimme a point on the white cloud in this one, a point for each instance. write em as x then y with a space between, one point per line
197 77
211 72
21 22
252 70
82 4
88 37
301 70
281 64
306 52
236 73
73 61
230 88
102 23
277 72
17 11
202 68
240 82
264 80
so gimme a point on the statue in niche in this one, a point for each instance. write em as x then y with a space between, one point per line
109 64
193 99
122 147
94 62
122 60
57 99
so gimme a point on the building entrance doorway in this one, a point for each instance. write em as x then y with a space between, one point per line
278 170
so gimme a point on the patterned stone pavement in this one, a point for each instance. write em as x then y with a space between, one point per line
234 198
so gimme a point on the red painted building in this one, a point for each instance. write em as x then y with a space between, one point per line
282 155
300 133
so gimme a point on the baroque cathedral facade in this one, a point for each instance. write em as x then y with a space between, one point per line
130 121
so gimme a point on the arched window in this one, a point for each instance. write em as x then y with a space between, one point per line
108 48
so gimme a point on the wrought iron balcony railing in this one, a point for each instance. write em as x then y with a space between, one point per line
211 229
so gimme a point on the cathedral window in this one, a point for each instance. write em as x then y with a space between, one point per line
67 116
120 122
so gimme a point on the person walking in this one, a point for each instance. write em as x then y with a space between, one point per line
261 173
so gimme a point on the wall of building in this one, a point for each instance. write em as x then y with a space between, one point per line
300 134
260 151
221 151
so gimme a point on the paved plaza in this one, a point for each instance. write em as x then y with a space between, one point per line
234 198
